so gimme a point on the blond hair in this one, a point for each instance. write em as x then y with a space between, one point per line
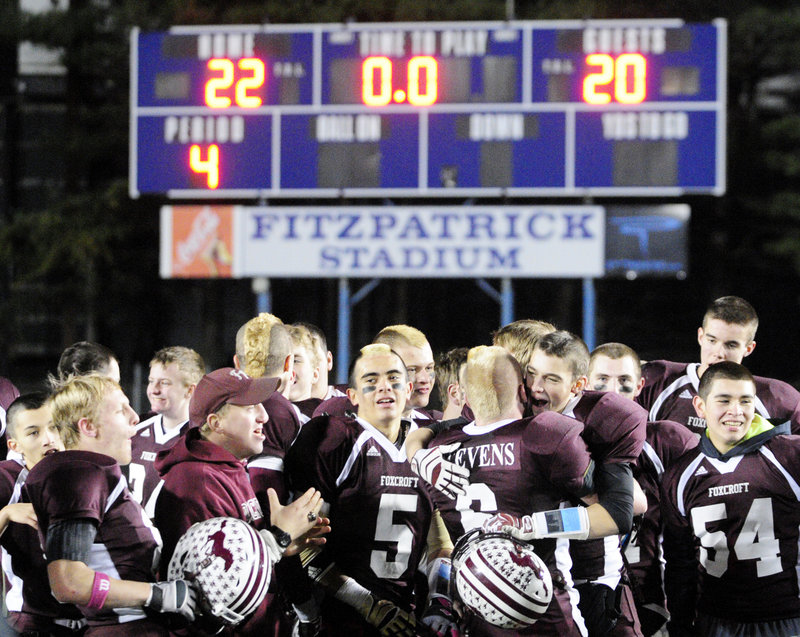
520 338
189 362
262 345
394 335
492 378
79 397
374 349
301 337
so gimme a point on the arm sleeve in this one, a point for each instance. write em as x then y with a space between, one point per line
70 540
615 493
681 568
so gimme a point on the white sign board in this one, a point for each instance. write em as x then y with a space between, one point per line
383 241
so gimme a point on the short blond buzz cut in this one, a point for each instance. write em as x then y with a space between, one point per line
79 397
492 377
394 335
374 349
617 351
520 338
262 345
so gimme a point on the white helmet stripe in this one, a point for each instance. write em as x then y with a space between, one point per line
500 595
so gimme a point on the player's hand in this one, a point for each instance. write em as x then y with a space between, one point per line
173 597
523 528
440 617
443 475
21 513
390 620
299 517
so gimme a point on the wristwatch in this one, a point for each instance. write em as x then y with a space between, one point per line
281 537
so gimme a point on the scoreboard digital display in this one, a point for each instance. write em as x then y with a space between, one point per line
572 108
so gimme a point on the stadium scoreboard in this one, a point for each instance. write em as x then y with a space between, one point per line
573 108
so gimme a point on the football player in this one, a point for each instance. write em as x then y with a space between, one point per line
99 545
732 504
323 360
174 373
614 429
306 371
380 511
449 366
727 334
413 348
415 351
85 357
32 435
519 338
264 348
616 367
518 466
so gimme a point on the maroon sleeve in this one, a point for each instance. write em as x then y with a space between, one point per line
614 427
336 406
556 442
282 427
308 406
8 394
781 400
318 455
681 568
74 491
266 469
671 441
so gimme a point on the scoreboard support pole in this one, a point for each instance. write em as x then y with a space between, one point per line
505 298
589 302
261 289
346 304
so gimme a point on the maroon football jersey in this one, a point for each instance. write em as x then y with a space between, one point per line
379 509
741 513
666 442
201 481
670 387
29 594
613 426
280 431
73 485
8 394
151 438
307 407
519 467
614 429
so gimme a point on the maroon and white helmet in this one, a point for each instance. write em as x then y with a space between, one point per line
228 561
500 579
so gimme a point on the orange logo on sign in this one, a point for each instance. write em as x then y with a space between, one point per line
202 241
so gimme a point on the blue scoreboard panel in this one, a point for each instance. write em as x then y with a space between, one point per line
572 108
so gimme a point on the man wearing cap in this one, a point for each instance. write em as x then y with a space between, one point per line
204 474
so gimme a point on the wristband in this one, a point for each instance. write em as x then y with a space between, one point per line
571 523
439 577
100 589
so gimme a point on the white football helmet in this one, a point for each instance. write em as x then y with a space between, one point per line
500 579
229 564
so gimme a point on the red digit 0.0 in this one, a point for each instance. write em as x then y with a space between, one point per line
377 87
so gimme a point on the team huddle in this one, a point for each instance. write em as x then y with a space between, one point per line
556 491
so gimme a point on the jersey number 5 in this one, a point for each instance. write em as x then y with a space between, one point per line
387 531
756 540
